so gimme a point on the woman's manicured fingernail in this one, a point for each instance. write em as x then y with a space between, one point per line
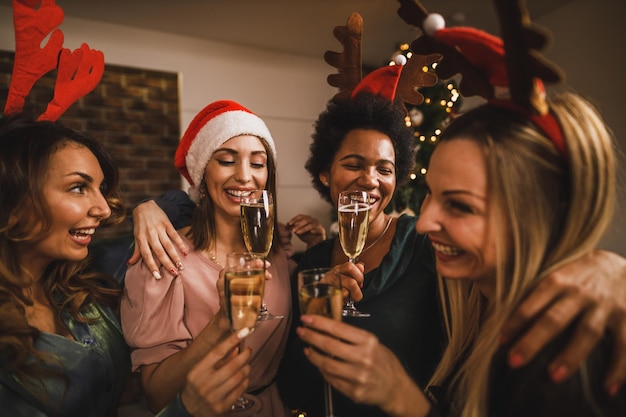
180 266
243 333
156 274
559 373
515 360
613 389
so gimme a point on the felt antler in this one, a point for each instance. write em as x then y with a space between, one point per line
31 61
414 75
348 62
473 82
78 71
401 82
508 73
524 63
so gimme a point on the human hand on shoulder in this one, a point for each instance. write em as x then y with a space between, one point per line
591 289
155 236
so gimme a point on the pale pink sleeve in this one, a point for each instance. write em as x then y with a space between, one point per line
152 316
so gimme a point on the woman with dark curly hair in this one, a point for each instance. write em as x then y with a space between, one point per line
364 112
363 144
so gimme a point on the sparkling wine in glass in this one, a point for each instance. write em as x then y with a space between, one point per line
244 286
257 225
319 295
353 219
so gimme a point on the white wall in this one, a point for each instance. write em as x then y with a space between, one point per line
289 91
588 46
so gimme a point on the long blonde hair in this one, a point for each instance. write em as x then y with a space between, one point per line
549 209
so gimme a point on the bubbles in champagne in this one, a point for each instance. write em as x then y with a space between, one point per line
353 220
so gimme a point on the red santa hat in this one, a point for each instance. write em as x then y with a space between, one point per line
382 81
215 124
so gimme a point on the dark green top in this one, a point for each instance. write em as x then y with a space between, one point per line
401 295
96 364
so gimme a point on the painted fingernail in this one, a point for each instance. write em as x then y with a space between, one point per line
515 360
613 389
174 272
559 373
243 333
156 274
180 266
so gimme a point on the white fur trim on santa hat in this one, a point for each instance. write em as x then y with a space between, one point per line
214 133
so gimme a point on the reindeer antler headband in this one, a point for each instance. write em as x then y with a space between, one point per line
508 72
79 71
396 81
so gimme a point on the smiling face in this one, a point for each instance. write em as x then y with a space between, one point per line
72 191
239 165
365 161
456 213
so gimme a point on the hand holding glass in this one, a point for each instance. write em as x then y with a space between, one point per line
353 218
244 286
257 226
319 295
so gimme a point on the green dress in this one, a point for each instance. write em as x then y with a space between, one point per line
96 364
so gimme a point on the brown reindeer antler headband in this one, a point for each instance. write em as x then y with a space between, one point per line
79 71
395 81
508 72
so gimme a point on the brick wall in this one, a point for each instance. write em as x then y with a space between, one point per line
135 112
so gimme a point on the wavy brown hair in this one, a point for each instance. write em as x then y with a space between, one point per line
25 150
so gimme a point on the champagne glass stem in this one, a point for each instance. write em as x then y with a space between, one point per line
328 400
349 309
264 313
242 403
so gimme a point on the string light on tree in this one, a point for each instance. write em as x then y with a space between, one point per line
427 120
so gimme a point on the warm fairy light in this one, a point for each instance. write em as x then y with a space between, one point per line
404 46
422 138
437 132
412 176
424 68
427 100
434 65
450 86
407 121
443 103
433 138
423 171
448 109
409 54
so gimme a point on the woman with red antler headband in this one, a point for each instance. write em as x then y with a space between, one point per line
62 352
517 189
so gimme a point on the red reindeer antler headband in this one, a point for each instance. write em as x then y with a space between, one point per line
508 72
79 71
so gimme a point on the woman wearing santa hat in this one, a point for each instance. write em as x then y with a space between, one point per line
171 323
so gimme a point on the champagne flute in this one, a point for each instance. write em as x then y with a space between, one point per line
353 218
319 295
257 226
244 286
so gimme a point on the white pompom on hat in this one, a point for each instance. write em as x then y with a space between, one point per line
215 124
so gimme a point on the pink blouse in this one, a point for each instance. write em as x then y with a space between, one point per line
162 317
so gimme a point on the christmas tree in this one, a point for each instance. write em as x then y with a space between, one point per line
427 120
